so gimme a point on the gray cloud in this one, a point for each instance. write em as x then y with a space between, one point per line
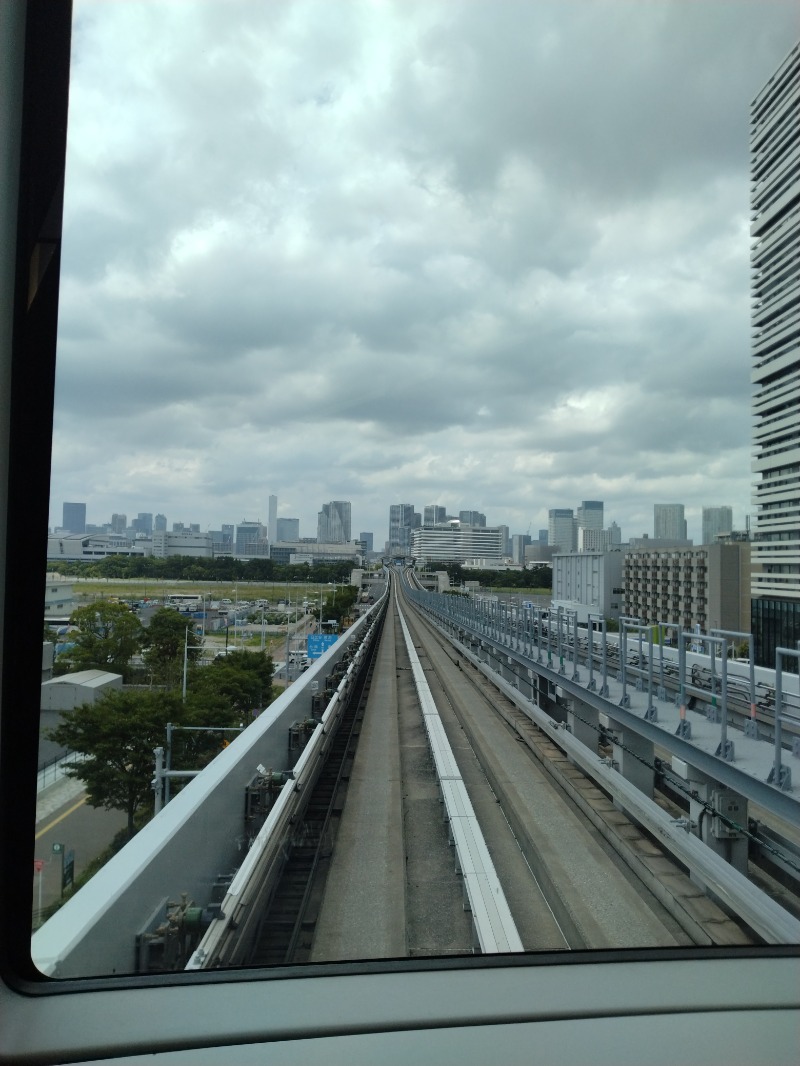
491 255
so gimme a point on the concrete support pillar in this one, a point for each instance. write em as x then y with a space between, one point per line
632 755
715 812
582 721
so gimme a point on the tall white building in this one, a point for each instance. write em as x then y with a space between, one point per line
716 520
775 257
272 519
669 522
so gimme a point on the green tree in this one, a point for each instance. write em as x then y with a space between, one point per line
109 634
164 641
239 682
117 734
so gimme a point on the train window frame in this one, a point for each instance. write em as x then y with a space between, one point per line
50 1020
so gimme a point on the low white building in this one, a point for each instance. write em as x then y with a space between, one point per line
59 599
69 691
589 583
198 545
453 542
93 546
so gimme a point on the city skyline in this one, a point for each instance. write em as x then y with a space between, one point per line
388 280
577 516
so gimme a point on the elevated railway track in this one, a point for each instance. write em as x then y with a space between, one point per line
569 868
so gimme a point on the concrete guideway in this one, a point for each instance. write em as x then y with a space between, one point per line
363 910
574 891
494 926
768 918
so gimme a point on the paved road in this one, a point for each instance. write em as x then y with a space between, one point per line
64 817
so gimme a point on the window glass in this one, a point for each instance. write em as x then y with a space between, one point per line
319 259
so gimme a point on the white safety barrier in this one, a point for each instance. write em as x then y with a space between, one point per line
494 926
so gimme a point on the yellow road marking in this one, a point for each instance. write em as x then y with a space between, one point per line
60 818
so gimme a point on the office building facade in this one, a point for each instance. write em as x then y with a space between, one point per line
775 259
455 542
561 529
590 514
286 530
74 518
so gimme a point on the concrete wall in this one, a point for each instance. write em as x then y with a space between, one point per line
195 838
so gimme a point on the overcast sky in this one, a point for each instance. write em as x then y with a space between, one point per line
492 255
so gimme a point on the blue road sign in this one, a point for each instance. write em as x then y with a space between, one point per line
318 643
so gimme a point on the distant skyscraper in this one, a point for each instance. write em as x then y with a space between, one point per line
160 523
775 234
143 523
543 533
472 518
272 521
519 542
367 540
668 521
434 515
505 536
74 517
287 530
251 539
401 523
333 522
615 534
716 520
119 523
561 530
590 514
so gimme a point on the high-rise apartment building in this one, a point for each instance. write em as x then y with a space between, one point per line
119 523
716 520
775 258
669 522
74 517
561 535
333 522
